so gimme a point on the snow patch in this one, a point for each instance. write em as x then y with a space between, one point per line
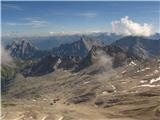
155 80
104 92
156 71
149 75
44 117
148 85
124 82
123 71
86 82
57 63
132 63
142 70
114 88
61 118
143 81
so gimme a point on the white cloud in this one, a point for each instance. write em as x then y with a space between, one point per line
129 27
11 7
57 13
5 56
35 23
104 60
31 18
51 32
88 14
10 23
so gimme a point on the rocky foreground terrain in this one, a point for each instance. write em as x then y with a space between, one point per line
131 92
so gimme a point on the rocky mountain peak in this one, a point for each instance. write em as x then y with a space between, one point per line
23 43
78 48
23 49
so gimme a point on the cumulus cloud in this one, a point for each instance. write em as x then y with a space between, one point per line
127 26
114 23
5 56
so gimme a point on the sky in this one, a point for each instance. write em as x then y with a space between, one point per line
49 17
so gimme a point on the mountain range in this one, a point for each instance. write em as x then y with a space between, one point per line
83 53
52 41
136 46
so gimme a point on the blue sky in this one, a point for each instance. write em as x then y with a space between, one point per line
49 17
